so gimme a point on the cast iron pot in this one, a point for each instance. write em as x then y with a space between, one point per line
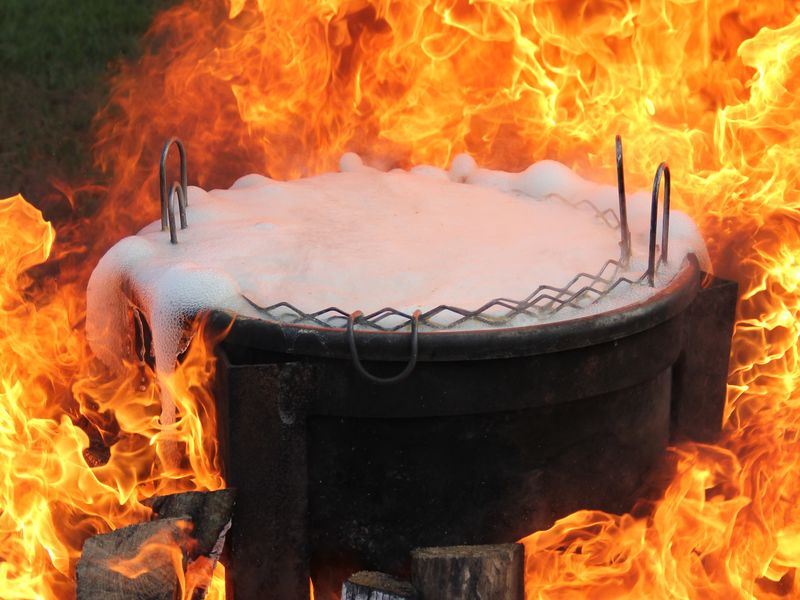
492 435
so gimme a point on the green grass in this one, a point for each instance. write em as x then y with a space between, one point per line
55 58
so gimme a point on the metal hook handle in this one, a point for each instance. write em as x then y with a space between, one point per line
163 177
351 340
662 172
177 188
625 232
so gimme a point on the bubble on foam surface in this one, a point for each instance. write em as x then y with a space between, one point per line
550 177
364 239
350 162
250 181
462 167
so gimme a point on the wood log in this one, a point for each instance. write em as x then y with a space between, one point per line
494 572
210 512
372 585
139 562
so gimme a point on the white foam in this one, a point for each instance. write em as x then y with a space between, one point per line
249 181
363 239
462 167
350 162
107 302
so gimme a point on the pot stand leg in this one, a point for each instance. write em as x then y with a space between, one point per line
701 373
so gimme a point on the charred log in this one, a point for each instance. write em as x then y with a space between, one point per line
210 512
140 562
494 572
372 585
149 561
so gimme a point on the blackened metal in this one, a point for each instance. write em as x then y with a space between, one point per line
263 435
624 230
163 176
464 449
178 189
323 340
544 301
665 217
142 336
607 216
661 172
700 376
377 486
380 487
412 362
139 342
451 388
173 231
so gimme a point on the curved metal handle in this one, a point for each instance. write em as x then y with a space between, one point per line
177 188
351 340
662 172
163 177
625 232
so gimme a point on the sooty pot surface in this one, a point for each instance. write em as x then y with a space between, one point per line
494 434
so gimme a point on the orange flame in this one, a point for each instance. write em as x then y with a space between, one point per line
58 409
164 547
168 549
284 87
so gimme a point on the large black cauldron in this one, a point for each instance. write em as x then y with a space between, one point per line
496 433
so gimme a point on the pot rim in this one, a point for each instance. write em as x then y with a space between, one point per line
303 340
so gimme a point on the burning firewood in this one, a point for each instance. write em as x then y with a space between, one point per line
139 562
372 585
493 572
161 559
210 512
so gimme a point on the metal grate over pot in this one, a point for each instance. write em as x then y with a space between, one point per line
543 303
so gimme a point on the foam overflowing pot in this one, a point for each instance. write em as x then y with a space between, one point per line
363 239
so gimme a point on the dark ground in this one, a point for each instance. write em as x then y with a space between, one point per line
56 57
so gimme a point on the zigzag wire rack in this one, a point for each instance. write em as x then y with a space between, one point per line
544 301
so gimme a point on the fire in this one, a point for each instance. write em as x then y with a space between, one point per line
163 547
168 548
283 88
59 411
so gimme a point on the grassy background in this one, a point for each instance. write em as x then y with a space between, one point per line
55 60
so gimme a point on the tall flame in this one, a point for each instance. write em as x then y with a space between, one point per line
285 87
78 448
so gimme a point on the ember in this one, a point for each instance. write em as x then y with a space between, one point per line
284 88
